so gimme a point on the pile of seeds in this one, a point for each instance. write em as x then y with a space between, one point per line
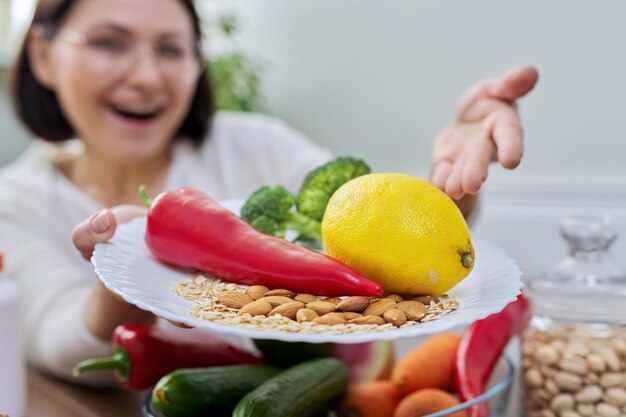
258 307
571 372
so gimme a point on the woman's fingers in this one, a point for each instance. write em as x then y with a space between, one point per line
126 212
440 172
97 229
511 86
508 136
180 324
477 165
453 184
100 227
515 84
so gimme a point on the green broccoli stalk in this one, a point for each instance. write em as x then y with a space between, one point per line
320 184
269 209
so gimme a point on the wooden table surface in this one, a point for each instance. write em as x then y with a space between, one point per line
48 397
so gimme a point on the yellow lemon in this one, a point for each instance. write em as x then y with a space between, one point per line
400 231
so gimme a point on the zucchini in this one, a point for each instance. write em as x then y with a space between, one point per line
300 391
207 391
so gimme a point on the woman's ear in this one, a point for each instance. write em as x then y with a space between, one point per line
38 50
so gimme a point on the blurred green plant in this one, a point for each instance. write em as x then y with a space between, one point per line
234 74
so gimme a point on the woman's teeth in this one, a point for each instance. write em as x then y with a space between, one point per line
137 110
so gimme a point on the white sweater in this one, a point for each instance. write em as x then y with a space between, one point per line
39 208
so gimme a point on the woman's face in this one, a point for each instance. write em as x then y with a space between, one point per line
124 72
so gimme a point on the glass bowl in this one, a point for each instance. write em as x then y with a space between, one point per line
497 394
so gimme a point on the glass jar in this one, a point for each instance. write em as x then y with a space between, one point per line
574 351
12 366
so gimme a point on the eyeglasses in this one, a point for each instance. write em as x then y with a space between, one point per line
115 54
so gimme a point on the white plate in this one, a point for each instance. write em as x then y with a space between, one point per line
127 268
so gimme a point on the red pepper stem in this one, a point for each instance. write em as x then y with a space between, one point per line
119 361
143 193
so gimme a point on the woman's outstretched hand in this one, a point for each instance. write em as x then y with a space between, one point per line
485 128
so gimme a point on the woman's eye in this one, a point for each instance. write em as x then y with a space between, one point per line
110 44
171 51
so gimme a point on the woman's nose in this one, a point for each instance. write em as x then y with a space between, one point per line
144 70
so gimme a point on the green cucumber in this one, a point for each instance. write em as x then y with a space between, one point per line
287 354
300 391
207 391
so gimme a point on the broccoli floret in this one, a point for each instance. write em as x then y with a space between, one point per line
320 184
269 210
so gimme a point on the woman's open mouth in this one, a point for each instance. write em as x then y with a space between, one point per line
137 114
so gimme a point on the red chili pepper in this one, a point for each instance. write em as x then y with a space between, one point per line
188 229
481 346
144 354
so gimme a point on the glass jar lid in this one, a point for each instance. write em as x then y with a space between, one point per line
588 285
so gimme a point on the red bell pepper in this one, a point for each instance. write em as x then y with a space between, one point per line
144 354
481 346
188 229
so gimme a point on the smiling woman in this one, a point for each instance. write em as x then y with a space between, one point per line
86 55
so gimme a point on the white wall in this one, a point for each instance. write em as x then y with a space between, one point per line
379 79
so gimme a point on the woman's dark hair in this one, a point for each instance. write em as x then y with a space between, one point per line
40 111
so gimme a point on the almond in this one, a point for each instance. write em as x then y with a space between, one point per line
256 308
234 299
305 298
368 320
276 300
351 315
281 292
321 307
257 291
425 299
306 314
354 304
288 310
395 297
414 310
379 307
333 300
337 314
330 320
395 316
